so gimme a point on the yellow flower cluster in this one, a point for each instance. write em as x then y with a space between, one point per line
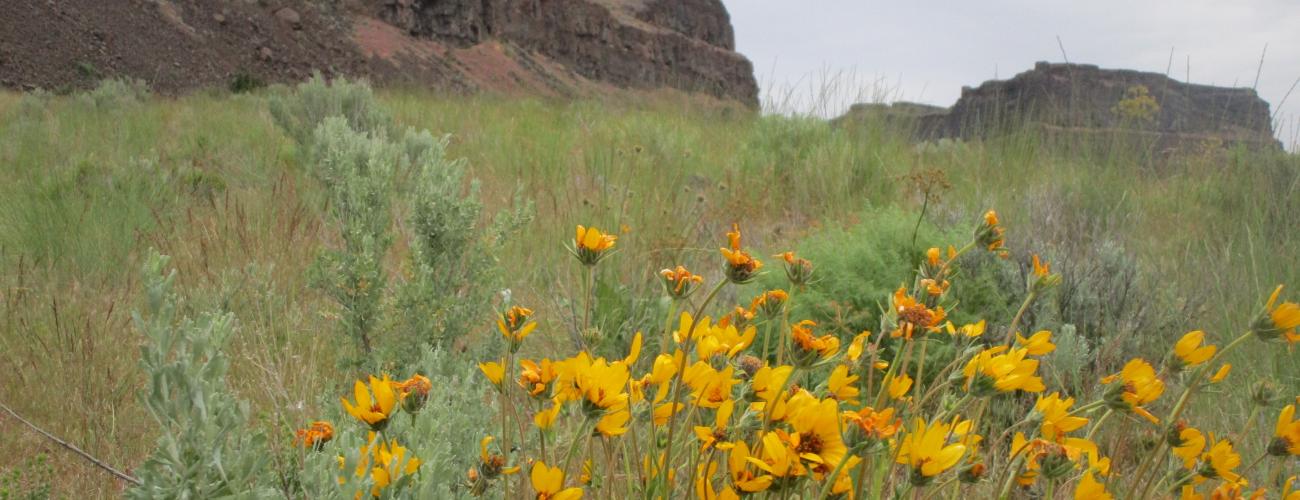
826 415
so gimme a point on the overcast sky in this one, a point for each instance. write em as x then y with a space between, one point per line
925 51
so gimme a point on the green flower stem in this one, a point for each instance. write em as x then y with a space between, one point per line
920 373
939 489
568 457
677 381
862 477
785 327
668 328
1015 322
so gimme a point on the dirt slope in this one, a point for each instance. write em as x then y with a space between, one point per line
550 47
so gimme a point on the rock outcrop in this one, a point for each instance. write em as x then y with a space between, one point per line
550 47
685 44
1080 100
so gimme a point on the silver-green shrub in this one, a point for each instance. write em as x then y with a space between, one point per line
301 111
455 272
357 171
114 93
206 449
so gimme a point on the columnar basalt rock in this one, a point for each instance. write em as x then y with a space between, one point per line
1081 100
687 45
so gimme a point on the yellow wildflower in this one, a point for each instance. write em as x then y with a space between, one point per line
548 482
535 378
1278 320
970 330
1090 489
591 245
494 371
898 385
927 452
738 461
514 325
842 385
1000 370
1057 420
1138 386
1038 344
1189 351
372 406
1286 434
716 435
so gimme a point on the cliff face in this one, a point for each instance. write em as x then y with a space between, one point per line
1070 98
684 44
553 47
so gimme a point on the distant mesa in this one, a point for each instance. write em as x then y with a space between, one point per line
1083 100
537 47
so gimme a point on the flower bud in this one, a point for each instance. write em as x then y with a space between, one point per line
972 473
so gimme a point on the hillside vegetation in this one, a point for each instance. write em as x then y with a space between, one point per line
320 253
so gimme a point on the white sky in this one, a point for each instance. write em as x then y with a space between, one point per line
821 55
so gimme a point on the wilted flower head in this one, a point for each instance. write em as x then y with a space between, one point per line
680 283
491 465
913 314
590 245
514 325
536 377
740 267
315 436
769 303
808 349
414 392
1043 278
867 425
798 270
989 234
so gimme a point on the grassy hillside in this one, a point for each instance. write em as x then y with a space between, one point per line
1150 245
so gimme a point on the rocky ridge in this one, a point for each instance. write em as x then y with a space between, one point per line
547 47
1073 100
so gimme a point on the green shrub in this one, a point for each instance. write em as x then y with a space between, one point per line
30 480
115 93
301 112
453 260
205 448
243 83
357 171
858 268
